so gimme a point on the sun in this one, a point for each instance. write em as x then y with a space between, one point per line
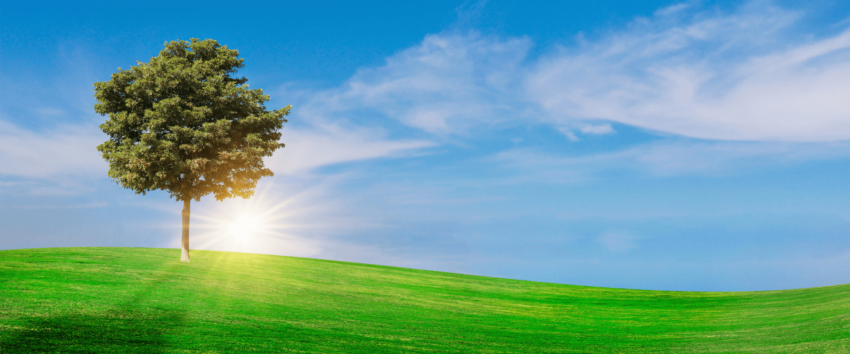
266 223
244 227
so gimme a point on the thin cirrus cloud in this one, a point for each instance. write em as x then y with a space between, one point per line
72 150
59 162
702 75
744 75
666 158
447 84
66 150
323 145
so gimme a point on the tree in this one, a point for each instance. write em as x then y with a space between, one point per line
183 124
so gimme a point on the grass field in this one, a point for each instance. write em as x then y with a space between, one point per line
135 300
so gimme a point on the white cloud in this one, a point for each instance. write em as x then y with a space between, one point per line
568 133
447 84
722 157
586 129
307 149
66 151
748 74
600 129
730 77
71 151
668 158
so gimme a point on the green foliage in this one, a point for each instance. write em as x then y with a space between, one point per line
183 124
135 300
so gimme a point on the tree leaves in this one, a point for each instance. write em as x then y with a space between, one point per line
182 124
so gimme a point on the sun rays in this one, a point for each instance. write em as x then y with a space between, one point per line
266 223
244 227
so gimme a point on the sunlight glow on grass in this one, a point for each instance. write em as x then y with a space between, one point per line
138 300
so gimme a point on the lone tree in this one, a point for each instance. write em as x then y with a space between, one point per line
183 124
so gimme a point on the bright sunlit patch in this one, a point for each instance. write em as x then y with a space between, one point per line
265 223
244 227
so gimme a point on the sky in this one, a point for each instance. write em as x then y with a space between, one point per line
698 146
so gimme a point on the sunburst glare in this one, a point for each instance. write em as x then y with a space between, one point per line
265 223
243 227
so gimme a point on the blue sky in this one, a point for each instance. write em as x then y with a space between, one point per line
652 145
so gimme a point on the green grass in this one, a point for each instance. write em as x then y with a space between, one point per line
134 300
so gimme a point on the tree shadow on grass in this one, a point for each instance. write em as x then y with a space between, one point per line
110 333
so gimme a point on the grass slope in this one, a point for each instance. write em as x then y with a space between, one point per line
131 300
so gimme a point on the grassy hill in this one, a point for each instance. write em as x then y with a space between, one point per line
132 300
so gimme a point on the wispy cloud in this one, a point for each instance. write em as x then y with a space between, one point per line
447 84
739 76
308 149
67 150
667 158
748 74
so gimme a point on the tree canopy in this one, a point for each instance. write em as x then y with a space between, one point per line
183 124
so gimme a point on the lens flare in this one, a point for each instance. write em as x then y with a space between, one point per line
267 223
244 227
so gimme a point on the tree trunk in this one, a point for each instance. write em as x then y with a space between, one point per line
184 255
